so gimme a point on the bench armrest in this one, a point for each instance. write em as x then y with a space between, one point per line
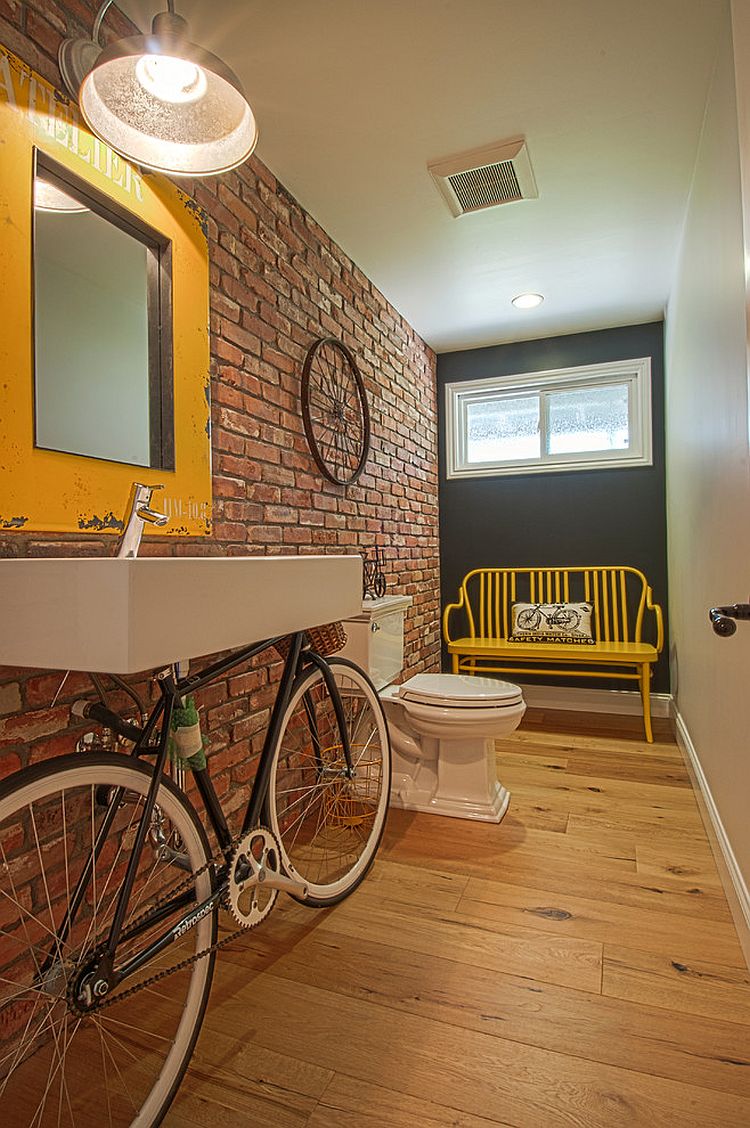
659 619
447 612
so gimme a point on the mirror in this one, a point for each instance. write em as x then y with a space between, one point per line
102 326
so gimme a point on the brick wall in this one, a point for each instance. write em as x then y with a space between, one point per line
277 282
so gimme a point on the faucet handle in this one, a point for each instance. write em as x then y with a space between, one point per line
140 494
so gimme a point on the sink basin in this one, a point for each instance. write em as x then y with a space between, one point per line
124 616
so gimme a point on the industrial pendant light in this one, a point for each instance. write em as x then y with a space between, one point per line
159 100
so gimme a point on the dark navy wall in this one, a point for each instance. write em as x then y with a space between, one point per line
582 517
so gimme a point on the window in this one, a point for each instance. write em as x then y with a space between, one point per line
570 419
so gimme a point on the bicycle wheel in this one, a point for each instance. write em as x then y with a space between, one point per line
335 412
122 1064
329 826
529 619
565 618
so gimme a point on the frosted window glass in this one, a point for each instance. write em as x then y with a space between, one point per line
588 419
502 430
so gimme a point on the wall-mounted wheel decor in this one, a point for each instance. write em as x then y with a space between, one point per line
335 411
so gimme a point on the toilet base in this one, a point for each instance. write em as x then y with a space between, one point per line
444 760
410 798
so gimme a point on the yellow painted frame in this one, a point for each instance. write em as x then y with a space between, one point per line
42 490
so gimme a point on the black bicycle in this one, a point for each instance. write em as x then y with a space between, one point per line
110 885
559 617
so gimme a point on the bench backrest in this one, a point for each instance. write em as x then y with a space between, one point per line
618 596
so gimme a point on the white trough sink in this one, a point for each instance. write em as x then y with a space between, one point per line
123 616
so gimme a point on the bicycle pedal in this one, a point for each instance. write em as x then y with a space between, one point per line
272 879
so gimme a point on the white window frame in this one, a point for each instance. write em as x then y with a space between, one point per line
635 373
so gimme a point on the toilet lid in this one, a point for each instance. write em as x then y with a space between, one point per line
459 690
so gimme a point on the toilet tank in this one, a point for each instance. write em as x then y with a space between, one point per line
375 638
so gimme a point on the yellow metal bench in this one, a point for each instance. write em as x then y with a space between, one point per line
620 598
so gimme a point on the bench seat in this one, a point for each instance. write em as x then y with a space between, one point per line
617 652
621 602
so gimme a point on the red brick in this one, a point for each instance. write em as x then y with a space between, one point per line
41 691
9 762
25 727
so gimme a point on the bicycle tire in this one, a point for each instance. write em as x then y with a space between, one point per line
567 620
48 814
529 620
331 842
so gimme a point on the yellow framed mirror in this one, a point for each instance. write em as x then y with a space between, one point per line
105 354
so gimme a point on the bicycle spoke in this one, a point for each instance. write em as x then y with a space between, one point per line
112 870
23 914
106 1075
63 1080
52 1065
44 882
103 1035
15 1054
108 1016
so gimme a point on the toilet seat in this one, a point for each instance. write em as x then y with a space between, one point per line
438 718
459 691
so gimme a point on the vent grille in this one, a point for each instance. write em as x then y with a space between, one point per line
486 187
485 178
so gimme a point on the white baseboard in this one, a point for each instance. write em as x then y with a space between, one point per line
593 700
733 880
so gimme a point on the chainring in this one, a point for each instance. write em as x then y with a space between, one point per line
256 855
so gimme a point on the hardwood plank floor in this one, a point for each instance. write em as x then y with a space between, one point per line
575 965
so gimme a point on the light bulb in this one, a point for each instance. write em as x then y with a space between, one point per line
528 301
49 198
171 80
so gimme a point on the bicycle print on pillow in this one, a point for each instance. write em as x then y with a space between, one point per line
552 622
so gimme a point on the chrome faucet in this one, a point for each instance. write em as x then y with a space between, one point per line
138 513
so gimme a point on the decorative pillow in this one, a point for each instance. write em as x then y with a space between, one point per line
552 622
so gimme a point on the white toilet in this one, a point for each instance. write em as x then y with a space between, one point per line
442 726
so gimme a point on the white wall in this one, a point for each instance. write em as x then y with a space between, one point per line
708 465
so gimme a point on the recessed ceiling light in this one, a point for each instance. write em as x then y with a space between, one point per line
528 301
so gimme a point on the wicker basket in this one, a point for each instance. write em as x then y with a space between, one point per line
324 640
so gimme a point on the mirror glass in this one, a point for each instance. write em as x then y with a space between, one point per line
99 371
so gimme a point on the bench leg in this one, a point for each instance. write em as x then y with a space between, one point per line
645 682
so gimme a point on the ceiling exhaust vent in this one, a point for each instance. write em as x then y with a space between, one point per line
484 178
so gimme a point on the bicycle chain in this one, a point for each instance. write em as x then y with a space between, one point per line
102 1004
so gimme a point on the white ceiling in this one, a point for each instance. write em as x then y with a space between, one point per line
354 98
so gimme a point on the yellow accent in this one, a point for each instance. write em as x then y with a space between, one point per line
49 490
619 649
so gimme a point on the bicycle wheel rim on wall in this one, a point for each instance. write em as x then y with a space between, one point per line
335 411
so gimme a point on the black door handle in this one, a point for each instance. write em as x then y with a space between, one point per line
723 618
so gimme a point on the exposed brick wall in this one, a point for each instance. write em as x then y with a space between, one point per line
277 282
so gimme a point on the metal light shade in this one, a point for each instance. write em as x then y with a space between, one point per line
167 104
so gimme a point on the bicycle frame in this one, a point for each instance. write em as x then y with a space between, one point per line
173 690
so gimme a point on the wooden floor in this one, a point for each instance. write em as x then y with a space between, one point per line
576 965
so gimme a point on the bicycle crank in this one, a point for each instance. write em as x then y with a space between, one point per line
255 878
